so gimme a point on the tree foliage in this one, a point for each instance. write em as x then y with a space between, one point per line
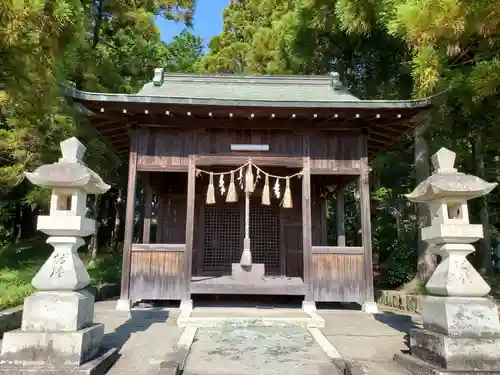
383 49
387 49
104 46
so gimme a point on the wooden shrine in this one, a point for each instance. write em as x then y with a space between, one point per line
192 140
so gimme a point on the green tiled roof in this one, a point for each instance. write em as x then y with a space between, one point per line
246 91
248 88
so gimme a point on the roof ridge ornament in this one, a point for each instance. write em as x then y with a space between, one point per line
158 77
336 82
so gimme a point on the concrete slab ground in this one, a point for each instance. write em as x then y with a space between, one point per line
369 341
257 350
144 337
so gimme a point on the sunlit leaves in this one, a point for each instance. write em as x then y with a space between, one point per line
426 70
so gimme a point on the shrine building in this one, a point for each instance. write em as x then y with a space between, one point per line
241 168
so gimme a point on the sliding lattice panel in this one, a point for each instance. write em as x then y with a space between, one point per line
224 232
223 238
265 237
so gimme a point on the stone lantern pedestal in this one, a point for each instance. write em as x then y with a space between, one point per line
58 334
461 328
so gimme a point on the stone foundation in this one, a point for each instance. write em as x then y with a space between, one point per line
97 366
455 353
400 300
460 335
54 348
247 273
58 311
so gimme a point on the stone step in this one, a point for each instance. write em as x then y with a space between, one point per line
249 317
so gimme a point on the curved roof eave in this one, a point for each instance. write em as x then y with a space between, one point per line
78 95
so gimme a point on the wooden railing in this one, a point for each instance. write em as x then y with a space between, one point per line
337 250
160 247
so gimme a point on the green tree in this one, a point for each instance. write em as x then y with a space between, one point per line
109 46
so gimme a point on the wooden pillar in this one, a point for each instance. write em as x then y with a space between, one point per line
129 216
306 219
340 218
159 218
148 209
366 227
188 255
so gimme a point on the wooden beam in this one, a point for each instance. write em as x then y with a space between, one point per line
143 167
129 219
334 172
366 228
148 208
262 160
306 218
115 137
188 255
109 127
340 218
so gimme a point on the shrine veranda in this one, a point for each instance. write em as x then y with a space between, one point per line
192 140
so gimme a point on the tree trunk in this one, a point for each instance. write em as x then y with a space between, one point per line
426 261
93 245
119 224
483 247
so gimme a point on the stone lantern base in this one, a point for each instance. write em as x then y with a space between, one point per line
460 335
57 336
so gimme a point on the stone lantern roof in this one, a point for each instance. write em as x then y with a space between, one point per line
69 171
447 182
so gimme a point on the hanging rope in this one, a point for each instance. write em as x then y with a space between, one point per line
248 181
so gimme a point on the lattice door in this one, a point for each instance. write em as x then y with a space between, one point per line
265 237
224 232
223 238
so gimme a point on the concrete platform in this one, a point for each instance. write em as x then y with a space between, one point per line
144 337
150 342
366 342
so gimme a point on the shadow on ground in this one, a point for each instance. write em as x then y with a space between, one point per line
400 322
139 321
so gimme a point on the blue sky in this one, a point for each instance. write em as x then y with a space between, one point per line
207 21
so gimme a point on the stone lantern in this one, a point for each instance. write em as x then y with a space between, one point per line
57 332
461 329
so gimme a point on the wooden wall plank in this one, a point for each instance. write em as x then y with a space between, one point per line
174 219
168 149
335 151
337 278
157 275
